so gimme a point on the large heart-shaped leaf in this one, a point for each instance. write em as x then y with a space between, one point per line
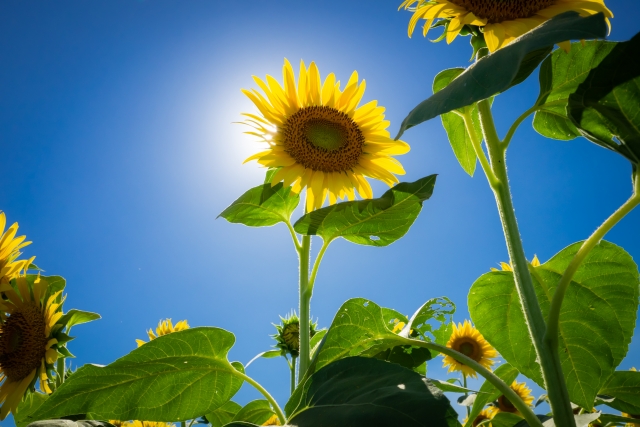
175 377
605 106
224 414
499 71
624 386
262 206
560 75
488 393
373 222
597 318
367 392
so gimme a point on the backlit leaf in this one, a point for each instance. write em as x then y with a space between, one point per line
262 206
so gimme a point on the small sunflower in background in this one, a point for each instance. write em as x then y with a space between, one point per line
469 341
29 338
164 327
10 246
535 262
319 138
485 415
521 389
499 21
272 421
288 335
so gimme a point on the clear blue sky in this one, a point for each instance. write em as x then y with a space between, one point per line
119 150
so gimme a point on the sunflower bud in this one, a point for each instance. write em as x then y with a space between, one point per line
288 335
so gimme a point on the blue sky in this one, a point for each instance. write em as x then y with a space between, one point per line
119 150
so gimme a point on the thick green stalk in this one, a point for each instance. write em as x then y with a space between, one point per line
61 371
265 393
551 337
293 374
305 300
549 361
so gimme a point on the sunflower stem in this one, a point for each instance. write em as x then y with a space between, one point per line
549 361
265 393
516 124
476 141
551 337
294 236
316 264
464 382
305 300
293 374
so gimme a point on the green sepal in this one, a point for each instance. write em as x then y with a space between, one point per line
77 317
62 338
64 352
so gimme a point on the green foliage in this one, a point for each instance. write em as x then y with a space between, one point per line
364 392
488 393
560 75
262 206
257 412
605 106
178 376
373 222
77 317
28 406
433 321
450 386
505 67
624 386
505 419
453 123
597 318
224 414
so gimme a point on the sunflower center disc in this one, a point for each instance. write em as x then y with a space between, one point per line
323 139
468 349
503 10
506 405
22 342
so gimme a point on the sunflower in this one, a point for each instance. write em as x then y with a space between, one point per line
318 137
28 340
272 421
9 250
147 423
624 414
521 389
165 327
501 21
469 341
535 262
288 335
486 414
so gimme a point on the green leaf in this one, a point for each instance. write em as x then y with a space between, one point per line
257 412
315 340
224 414
488 393
605 106
505 419
69 423
616 420
373 222
450 387
77 317
505 67
560 75
367 392
625 387
28 406
262 206
597 318
433 321
454 125
178 376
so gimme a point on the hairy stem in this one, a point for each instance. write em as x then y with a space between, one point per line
551 337
549 361
476 141
316 264
293 374
305 300
294 236
265 393
516 124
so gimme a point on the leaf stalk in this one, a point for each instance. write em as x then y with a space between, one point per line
265 393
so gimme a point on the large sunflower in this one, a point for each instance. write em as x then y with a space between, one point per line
469 341
27 339
165 327
521 389
10 246
319 138
501 21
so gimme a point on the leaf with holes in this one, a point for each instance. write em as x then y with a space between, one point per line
372 222
178 376
262 206
597 318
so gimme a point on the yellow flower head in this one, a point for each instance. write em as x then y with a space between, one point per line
10 246
501 21
319 138
624 414
521 389
146 424
272 421
486 414
164 327
27 328
535 262
469 341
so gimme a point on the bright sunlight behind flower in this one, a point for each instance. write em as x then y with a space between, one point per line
502 21
319 137
469 341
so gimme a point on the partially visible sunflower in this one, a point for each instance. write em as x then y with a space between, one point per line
288 335
27 339
10 250
164 327
521 389
624 414
484 415
272 421
147 424
508 267
469 341
319 138
501 21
